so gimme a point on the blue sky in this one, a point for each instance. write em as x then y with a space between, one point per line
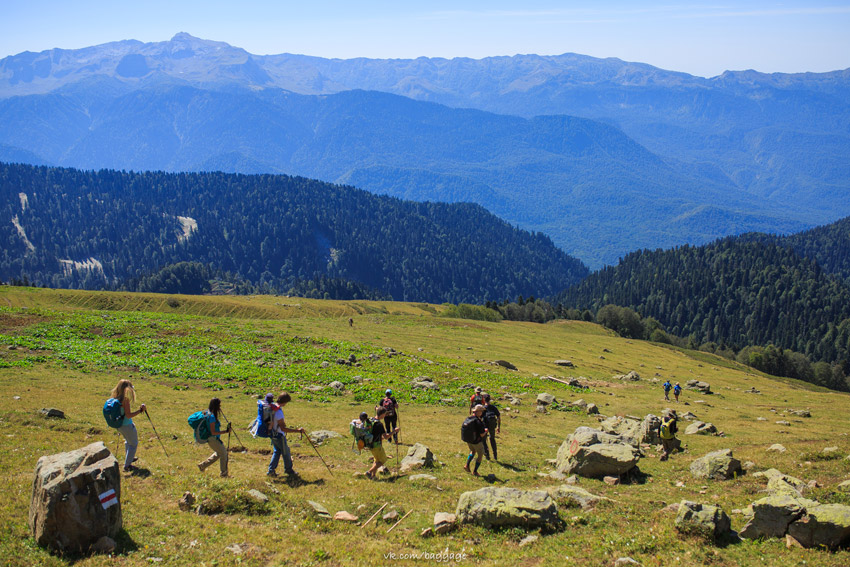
702 38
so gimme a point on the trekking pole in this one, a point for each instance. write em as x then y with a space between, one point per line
157 434
234 433
320 455
373 515
398 522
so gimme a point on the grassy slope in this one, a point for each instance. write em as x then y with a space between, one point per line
77 380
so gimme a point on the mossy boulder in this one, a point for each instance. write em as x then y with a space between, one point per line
704 520
498 507
717 465
826 525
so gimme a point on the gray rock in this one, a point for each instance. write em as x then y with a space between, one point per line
705 520
320 510
187 502
104 545
66 514
592 409
337 385
322 435
52 412
778 483
631 376
325 364
717 465
699 386
688 416
844 486
495 507
418 456
540 409
427 532
567 363
390 517
772 516
591 453
575 495
511 399
761 419
257 496
580 403
783 423
801 413
826 525
545 399
627 428
650 430
700 428
505 364
424 385
528 540
623 561
776 448
829 450
444 522
418 477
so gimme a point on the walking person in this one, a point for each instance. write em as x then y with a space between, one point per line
677 389
379 434
213 425
389 403
473 432
668 434
477 399
119 415
667 386
493 421
280 448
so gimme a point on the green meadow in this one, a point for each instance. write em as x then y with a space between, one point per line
67 349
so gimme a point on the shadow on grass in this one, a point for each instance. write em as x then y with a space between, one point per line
294 481
124 545
140 472
510 467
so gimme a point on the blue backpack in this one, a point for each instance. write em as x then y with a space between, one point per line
113 412
262 426
200 423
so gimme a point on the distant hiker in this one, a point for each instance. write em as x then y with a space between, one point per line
280 448
389 403
118 415
668 434
208 429
477 399
474 432
379 434
350 322
677 389
667 386
493 421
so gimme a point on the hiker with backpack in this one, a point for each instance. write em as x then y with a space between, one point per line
677 389
667 385
119 415
477 399
668 434
493 421
474 432
378 435
389 403
280 448
207 428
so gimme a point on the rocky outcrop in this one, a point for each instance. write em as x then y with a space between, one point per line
596 454
496 507
699 386
418 456
631 376
705 520
627 428
771 516
700 428
717 465
826 525
76 499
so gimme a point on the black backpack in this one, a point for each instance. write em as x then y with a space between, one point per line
468 431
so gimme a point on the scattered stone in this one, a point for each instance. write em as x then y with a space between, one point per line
700 428
320 510
699 386
568 363
505 364
631 376
344 516
688 416
76 499
671 508
813 484
705 520
761 419
424 383
418 456
322 435
801 413
752 391
772 516
782 483
844 486
783 423
257 496
829 450
650 430
16 398
493 507
576 495
748 465
325 364
52 412
390 517
545 399
540 409
528 540
418 477
717 465
776 448
427 532
612 480
579 403
622 561
444 522
337 385
627 428
187 502
592 409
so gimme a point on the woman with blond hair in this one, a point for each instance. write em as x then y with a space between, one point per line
125 394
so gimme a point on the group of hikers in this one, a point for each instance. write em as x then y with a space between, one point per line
484 421
677 389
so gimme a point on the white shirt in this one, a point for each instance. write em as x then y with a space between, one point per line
277 419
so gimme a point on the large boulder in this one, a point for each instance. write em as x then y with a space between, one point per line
545 399
595 454
705 520
699 386
418 456
772 516
575 495
76 499
700 428
717 465
650 430
628 429
778 483
826 525
496 507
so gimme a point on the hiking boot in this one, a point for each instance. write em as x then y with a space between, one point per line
129 469
201 467
272 474
369 475
466 468
224 475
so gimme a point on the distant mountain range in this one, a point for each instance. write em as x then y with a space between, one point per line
629 156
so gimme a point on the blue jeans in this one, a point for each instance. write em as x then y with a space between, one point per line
280 449
131 442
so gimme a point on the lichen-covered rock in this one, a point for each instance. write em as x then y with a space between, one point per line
650 430
778 483
699 386
826 525
598 460
418 456
801 413
631 376
495 507
76 499
575 495
700 428
705 520
322 435
717 465
771 516
626 428
545 399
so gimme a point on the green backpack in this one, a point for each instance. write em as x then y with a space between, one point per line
199 422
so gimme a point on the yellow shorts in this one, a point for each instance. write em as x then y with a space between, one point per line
379 454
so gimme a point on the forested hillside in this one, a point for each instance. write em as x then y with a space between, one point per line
734 292
72 228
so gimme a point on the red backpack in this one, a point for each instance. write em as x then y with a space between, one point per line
389 405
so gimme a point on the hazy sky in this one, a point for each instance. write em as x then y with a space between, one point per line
701 38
